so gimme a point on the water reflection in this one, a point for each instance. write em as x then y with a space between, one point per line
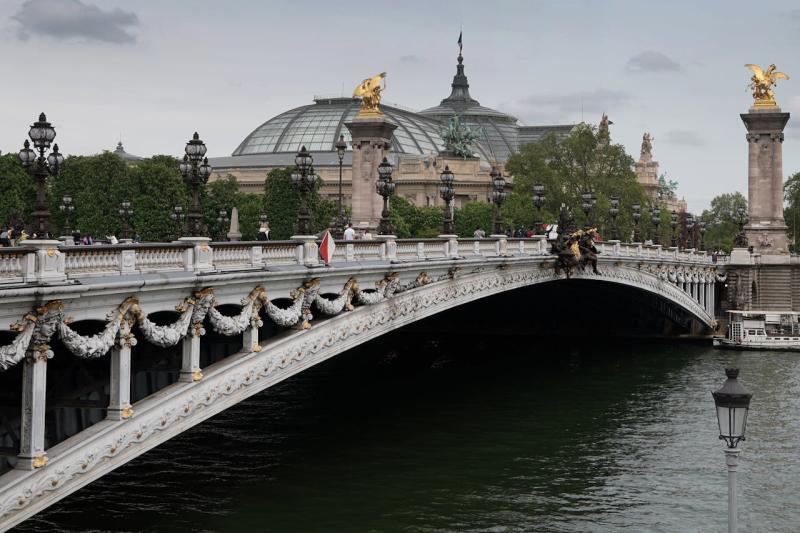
412 434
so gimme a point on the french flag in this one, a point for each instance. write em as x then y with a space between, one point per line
327 247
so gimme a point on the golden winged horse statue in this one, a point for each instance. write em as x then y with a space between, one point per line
370 92
761 84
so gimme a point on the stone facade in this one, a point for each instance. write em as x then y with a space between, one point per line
646 170
766 229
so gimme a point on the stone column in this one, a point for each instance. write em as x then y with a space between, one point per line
372 137
190 362
34 389
766 229
250 339
119 405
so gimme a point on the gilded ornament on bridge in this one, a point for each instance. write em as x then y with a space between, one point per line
370 91
761 84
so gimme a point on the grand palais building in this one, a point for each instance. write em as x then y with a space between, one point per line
414 150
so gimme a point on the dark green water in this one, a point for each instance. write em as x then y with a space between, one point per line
407 434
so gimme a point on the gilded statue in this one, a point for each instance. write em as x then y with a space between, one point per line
370 92
761 84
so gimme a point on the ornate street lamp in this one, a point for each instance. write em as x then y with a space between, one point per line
637 214
690 231
263 220
222 221
655 218
125 216
702 226
178 216
304 179
66 207
741 219
40 167
673 223
732 401
196 171
341 148
589 200
498 197
447 193
538 201
385 188
613 211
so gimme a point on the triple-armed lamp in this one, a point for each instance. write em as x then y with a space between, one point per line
341 148
66 207
196 171
538 201
637 215
589 199
498 197
613 212
385 187
447 193
673 223
655 218
179 217
304 179
40 168
125 215
690 230
222 221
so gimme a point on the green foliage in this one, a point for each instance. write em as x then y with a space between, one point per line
155 187
580 162
721 220
471 216
791 213
17 191
97 184
412 221
281 202
666 188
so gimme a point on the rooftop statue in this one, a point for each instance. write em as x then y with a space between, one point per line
458 137
370 92
603 133
761 84
647 147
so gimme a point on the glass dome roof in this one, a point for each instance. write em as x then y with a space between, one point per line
318 126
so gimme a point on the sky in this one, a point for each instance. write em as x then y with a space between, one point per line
153 72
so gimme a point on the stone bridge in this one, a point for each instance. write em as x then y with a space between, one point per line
100 301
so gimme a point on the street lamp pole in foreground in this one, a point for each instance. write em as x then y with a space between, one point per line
733 402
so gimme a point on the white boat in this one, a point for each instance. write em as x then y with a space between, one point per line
761 330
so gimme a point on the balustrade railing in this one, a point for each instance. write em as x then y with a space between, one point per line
27 264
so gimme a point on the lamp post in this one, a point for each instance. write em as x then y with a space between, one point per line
673 223
125 215
40 167
637 214
733 403
538 201
690 231
304 179
589 200
702 226
613 211
447 193
498 197
196 171
66 207
178 216
222 220
741 219
655 218
385 188
341 148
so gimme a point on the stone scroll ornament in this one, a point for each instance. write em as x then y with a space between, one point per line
35 331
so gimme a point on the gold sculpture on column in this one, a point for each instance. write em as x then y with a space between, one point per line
370 92
761 84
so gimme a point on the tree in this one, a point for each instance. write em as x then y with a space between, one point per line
281 202
155 187
582 161
471 216
412 221
722 220
791 213
18 191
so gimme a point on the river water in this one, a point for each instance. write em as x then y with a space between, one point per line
411 434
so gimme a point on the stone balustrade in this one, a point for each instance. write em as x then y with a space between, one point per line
18 265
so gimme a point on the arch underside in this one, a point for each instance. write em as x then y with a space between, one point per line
109 444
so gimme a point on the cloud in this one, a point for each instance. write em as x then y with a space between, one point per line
560 107
411 59
651 61
73 19
683 138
